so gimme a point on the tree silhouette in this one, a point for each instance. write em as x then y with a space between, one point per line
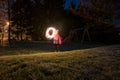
32 17
97 12
21 17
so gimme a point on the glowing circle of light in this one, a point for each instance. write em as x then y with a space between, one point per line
48 35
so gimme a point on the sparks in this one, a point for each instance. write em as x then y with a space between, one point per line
50 32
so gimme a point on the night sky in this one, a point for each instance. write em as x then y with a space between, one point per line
67 4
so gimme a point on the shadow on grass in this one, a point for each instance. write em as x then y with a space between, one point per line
49 46
40 47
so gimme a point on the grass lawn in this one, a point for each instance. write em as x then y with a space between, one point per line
101 63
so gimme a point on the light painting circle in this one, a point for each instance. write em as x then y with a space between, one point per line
50 32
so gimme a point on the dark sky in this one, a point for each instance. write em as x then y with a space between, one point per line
67 4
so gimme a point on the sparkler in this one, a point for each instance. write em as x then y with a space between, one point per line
50 32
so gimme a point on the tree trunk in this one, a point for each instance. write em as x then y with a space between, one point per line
9 20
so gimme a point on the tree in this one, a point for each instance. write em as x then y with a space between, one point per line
97 12
32 18
21 17
49 13
98 15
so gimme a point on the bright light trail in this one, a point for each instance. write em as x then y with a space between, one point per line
50 32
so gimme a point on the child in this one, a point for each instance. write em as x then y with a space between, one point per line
57 40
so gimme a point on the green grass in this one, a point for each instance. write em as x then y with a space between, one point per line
101 63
